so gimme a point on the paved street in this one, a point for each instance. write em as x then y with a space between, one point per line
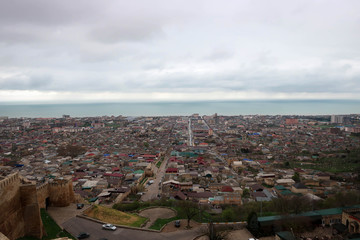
154 189
76 225
62 214
191 140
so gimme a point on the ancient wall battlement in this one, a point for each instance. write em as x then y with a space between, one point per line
41 186
9 180
21 200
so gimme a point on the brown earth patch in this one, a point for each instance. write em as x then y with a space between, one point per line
170 227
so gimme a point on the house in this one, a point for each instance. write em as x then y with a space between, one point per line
285 182
215 187
299 188
323 176
351 219
200 196
257 188
172 170
228 189
179 195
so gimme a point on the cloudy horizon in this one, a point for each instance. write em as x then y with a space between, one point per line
86 51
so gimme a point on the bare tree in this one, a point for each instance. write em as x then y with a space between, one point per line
190 209
215 232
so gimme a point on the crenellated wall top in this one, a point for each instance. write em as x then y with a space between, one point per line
10 179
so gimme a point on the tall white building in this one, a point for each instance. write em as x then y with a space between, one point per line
337 119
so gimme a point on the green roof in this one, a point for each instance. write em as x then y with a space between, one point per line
280 187
316 213
310 214
93 199
174 153
139 172
188 154
286 235
270 218
286 192
330 211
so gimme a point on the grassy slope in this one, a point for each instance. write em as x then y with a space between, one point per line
114 216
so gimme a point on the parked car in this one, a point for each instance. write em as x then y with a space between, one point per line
83 235
79 205
177 223
109 226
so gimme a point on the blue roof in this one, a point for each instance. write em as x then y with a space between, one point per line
246 159
254 133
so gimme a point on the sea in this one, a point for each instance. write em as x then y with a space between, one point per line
229 108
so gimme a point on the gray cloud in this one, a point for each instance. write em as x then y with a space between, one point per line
24 82
118 46
126 31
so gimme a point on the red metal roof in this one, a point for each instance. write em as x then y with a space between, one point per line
172 170
114 175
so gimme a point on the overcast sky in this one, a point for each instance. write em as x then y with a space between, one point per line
73 51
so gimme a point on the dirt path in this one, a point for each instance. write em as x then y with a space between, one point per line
155 213
170 227
242 234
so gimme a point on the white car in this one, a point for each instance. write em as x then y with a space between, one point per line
109 226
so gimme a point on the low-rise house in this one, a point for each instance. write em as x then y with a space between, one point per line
299 188
323 176
351 219
201 197
171 170
285 182
215 187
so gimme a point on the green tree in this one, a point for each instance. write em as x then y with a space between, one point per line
287 164
228 215
296 177
253 224
246 193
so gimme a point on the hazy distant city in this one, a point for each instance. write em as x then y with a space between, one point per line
204 168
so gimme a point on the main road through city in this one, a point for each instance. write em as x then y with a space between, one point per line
76 225
154 189
191 143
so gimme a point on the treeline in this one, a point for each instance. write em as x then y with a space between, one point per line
282 206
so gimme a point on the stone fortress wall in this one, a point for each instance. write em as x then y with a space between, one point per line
12 224
58 193
20 204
